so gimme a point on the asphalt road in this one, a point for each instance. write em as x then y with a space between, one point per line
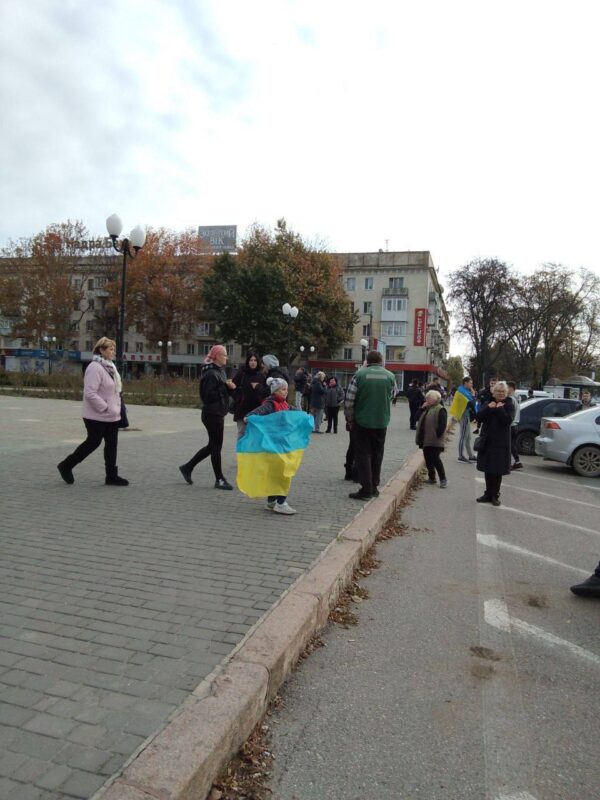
473 672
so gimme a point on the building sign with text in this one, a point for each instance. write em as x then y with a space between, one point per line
219 238
420 327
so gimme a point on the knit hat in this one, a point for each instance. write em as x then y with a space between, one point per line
276 384
270 361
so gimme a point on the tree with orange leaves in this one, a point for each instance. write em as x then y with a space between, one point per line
43 281
164 284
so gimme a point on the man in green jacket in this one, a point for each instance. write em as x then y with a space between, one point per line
367 411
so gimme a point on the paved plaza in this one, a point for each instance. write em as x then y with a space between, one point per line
117 602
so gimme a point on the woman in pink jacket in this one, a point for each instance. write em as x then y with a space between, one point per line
101 414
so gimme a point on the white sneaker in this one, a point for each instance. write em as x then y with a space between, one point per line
284 508
270 505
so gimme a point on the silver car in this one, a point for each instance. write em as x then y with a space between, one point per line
574 440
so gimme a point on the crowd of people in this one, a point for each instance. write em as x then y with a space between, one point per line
487 421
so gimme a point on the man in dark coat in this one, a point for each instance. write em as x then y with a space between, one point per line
300 381
415 398
493 455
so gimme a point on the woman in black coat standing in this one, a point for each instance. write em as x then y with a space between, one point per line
493 454
215 389
249 390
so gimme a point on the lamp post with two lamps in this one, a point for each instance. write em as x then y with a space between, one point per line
290 312
164 355
49 340
136 239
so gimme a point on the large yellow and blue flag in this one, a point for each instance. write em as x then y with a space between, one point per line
270 452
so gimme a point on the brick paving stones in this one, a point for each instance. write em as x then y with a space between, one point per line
115 603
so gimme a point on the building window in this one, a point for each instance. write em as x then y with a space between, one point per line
74 344
77 283
88 344
139 347
90 283
204 349
350 284
347 354
175 349
89 325
125 347
395 304
367 307
394 328
91 304
229 348
396 283
205 329
176 328
191 349
368 284
366 330
74 326
76 306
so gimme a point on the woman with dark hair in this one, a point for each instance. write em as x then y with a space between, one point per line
215 389
493 454
101 414
250 386
333 400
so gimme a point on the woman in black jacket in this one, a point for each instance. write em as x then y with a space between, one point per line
493 454
215 389
249 390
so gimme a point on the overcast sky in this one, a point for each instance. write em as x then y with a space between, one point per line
466 128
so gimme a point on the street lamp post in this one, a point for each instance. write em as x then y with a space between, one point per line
50 340
291 312
163 362
364 343
136 239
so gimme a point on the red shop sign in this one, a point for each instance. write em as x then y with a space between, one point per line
420 327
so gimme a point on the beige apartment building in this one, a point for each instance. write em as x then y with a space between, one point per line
397 297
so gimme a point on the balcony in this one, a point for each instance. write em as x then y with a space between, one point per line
403 292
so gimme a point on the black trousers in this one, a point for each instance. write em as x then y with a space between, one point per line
369 444
96 432
414 416
215 425
492 484
513 444
433 461
332 418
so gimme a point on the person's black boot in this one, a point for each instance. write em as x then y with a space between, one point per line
66 473
485 498
187 473
589 588
496 500
113 479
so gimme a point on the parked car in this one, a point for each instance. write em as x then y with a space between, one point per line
523 394
532 412
574 440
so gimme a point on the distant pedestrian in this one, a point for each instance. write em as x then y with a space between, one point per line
215 389
493 456
514 428
101 414
272 369
334 398
249 389
415 398
431 436
586 399
590 586
463 410
317 399
367 409
300 381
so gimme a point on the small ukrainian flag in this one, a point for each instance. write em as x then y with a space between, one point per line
459 404
270 452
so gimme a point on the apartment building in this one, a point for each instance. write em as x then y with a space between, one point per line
401 313
397 297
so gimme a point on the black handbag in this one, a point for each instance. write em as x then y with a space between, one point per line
479 443
123 422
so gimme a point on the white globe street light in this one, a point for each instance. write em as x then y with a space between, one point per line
291 312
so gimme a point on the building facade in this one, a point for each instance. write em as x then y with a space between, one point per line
396 296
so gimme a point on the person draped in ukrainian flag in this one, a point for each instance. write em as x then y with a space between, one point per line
463 410
270 451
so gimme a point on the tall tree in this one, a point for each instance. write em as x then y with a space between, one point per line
43 280
455 370
247 291
164 285
480 293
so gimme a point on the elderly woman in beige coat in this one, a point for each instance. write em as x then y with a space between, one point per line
431 435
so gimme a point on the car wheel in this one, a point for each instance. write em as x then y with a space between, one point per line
586 461
526 443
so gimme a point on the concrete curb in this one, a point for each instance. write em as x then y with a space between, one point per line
183 759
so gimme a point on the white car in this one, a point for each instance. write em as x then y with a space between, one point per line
574 440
